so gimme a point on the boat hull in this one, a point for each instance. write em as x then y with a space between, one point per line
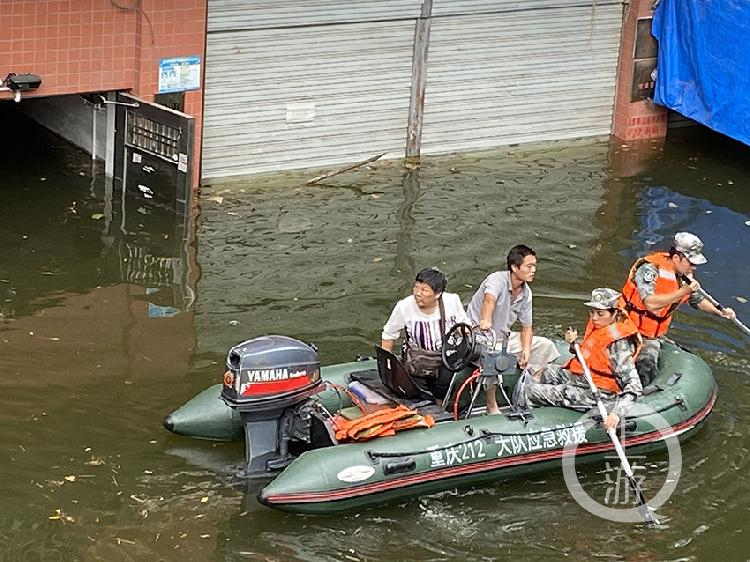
483 449
206 416
334 498
455 454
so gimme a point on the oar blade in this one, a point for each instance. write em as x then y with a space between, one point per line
643 508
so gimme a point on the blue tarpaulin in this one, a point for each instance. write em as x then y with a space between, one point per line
703 69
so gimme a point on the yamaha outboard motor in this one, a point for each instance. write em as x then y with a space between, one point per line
268 381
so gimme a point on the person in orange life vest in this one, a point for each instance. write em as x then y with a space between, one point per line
656 285
609 347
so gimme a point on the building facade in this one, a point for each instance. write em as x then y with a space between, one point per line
262 86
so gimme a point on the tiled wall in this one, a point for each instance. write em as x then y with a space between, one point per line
636 120
81 46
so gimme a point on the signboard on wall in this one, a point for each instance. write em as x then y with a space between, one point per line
645 55
179 74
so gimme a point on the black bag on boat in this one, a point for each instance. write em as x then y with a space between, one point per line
422 362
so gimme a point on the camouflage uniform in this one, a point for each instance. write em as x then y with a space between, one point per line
560 387
648 359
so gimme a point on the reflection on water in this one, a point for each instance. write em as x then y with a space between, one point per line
106 327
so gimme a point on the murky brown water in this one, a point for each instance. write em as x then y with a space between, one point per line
111 318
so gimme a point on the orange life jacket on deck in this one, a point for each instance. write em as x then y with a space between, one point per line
594 349
652 323
381 423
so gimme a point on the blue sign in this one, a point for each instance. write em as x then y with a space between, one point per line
179 74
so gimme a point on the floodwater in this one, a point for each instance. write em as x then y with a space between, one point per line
113 312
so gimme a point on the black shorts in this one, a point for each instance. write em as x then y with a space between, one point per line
437 386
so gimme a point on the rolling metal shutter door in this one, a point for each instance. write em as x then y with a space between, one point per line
505 72
288 87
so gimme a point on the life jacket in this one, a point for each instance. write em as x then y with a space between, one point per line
652 323
381 423
594 349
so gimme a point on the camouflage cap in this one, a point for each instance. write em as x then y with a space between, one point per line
603 298
690 246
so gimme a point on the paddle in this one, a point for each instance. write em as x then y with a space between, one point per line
643 507
716 303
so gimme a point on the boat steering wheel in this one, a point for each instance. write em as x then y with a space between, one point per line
458 347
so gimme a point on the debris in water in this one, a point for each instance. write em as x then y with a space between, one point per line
97 216
147 193
670 204
738 298
119 540
217 199
204 499
683 542
377 259
234 323
61 516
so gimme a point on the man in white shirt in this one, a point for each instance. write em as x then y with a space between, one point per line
425 325
502 298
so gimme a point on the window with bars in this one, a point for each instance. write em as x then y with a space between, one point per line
150 136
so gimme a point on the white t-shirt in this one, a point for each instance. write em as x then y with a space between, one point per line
423 330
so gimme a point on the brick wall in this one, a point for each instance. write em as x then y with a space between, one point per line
634 120
80 46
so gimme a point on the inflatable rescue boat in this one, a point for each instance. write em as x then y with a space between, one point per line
299 423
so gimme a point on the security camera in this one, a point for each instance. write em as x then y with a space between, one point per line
19 82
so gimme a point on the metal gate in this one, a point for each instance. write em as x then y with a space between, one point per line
154 152
153 163
300 84
308 84
503 72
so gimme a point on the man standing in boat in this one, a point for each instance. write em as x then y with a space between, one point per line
609 348
502 298
656 285
425 316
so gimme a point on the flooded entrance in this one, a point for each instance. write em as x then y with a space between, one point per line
114 314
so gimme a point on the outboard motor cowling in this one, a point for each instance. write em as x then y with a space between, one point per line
267 379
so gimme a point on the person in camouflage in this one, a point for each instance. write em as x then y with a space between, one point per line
609 347
656 285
